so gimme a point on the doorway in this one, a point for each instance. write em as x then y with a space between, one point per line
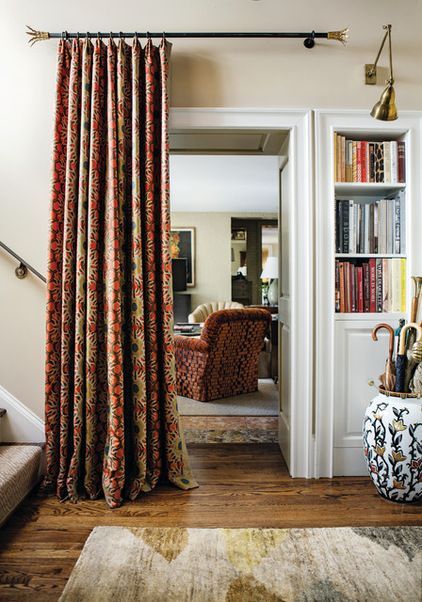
186 125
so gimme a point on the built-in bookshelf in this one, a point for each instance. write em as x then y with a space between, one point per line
370 224
346 358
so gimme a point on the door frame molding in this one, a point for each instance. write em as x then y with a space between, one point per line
300 125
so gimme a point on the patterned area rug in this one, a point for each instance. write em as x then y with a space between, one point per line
248 565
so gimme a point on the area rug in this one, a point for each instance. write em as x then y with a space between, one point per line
263 402
248 565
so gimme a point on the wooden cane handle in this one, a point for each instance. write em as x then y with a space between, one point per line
414 309
390 330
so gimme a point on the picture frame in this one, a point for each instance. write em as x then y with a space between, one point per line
238 234
182 245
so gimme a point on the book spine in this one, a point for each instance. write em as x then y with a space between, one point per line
349 169
402 222
379 162
335 156
376 227
393 156
343 157
365 160
352 228
387 162
359 161
372 285
401 160
345 213
395 267
371 228
338 220
354 161
342 287
366 287
367 220
397 225
371 162
346 287
359 271
390 226
386 285
337 297
379 293
382 226
358 227
351 287
338 158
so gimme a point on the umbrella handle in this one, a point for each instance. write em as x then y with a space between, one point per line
390 330
406 327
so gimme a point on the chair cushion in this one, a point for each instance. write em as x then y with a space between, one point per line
201 313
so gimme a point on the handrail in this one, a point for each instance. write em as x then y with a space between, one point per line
23 267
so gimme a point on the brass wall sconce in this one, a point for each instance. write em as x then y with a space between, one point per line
385 109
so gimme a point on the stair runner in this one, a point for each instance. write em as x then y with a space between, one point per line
19 473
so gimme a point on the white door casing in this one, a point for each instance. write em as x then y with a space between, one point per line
299 125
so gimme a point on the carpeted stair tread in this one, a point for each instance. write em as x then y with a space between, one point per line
19 472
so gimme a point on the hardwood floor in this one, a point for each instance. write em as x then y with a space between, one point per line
242 485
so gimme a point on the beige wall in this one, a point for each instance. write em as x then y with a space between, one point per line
212 262
249 73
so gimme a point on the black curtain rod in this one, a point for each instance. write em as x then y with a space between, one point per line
309 37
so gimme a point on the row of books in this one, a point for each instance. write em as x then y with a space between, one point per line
366 161
374 285
375 227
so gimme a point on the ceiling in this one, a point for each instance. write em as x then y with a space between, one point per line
238 142
228 183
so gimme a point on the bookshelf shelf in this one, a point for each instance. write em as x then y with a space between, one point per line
369 255
367 188
368 316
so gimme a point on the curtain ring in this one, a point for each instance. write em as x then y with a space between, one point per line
121 35
66 35
164 36
98 36
77 35
148 35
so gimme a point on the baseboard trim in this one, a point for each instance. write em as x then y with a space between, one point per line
19 424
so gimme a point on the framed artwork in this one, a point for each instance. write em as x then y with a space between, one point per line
182 245
238 234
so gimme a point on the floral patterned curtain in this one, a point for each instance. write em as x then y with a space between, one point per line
112 423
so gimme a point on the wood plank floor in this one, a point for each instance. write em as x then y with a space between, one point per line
242 485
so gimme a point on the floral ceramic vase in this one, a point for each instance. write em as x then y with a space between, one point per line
392 437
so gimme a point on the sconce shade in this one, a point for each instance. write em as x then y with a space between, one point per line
385 109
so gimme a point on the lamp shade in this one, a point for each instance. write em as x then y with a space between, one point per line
271 268
385 109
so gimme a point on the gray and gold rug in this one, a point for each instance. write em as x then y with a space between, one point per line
248 565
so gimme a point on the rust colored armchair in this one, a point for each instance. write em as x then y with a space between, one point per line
224 361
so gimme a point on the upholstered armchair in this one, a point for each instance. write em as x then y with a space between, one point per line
224 360
201 313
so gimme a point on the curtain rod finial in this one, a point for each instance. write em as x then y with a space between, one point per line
36 36
342 35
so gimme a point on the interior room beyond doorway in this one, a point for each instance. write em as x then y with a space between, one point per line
224 215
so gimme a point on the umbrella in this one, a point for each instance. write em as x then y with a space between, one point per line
388 379
417 283
416 383
401 359
397 332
